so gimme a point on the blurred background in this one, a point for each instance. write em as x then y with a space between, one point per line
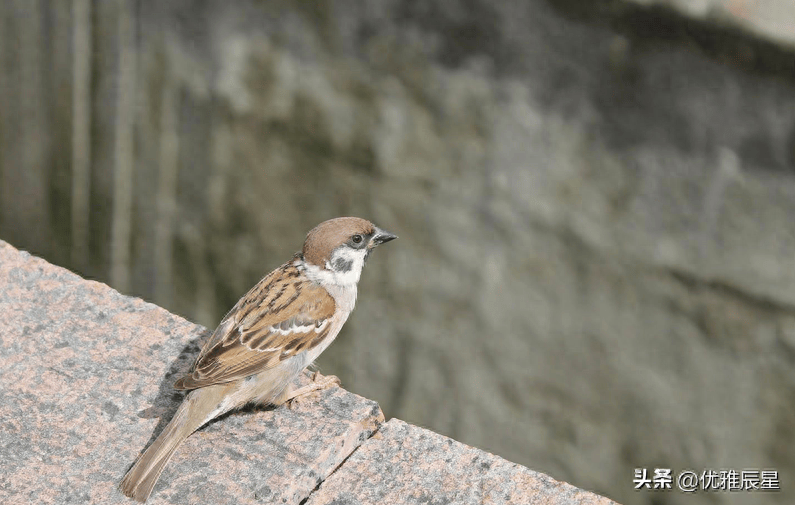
595 201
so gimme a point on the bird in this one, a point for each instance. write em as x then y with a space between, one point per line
269 337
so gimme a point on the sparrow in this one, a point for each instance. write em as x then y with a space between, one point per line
268 338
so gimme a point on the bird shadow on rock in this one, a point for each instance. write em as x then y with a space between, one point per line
168 399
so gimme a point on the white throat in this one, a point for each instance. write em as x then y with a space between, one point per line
340 276
346 265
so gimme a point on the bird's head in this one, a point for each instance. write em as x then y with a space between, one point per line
340 247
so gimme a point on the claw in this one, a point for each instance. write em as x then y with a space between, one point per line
319 383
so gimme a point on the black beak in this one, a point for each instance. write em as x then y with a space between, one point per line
382 236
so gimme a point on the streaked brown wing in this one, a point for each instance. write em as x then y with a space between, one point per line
283 315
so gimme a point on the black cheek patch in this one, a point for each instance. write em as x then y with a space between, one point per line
342 265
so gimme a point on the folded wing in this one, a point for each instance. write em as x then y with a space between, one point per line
282 316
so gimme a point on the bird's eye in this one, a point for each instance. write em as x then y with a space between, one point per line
357 239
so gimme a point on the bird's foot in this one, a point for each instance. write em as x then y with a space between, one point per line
319 383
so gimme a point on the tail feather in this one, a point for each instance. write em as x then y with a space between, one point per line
141 479
199 407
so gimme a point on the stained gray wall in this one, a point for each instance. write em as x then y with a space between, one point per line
596 269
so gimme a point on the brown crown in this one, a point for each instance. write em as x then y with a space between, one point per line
328 235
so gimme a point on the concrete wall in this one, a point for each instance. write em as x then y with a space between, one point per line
769 19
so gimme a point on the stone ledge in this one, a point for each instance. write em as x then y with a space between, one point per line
86 378
402 463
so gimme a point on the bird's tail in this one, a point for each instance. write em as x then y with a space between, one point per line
199 407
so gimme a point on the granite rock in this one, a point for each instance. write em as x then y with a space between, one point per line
86 377
406 465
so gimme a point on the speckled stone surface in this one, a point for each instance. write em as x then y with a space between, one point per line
85 385
85 382
404 464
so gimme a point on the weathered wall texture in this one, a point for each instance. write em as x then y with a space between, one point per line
773 19
596 269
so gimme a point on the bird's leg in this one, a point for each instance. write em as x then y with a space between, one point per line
319 382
